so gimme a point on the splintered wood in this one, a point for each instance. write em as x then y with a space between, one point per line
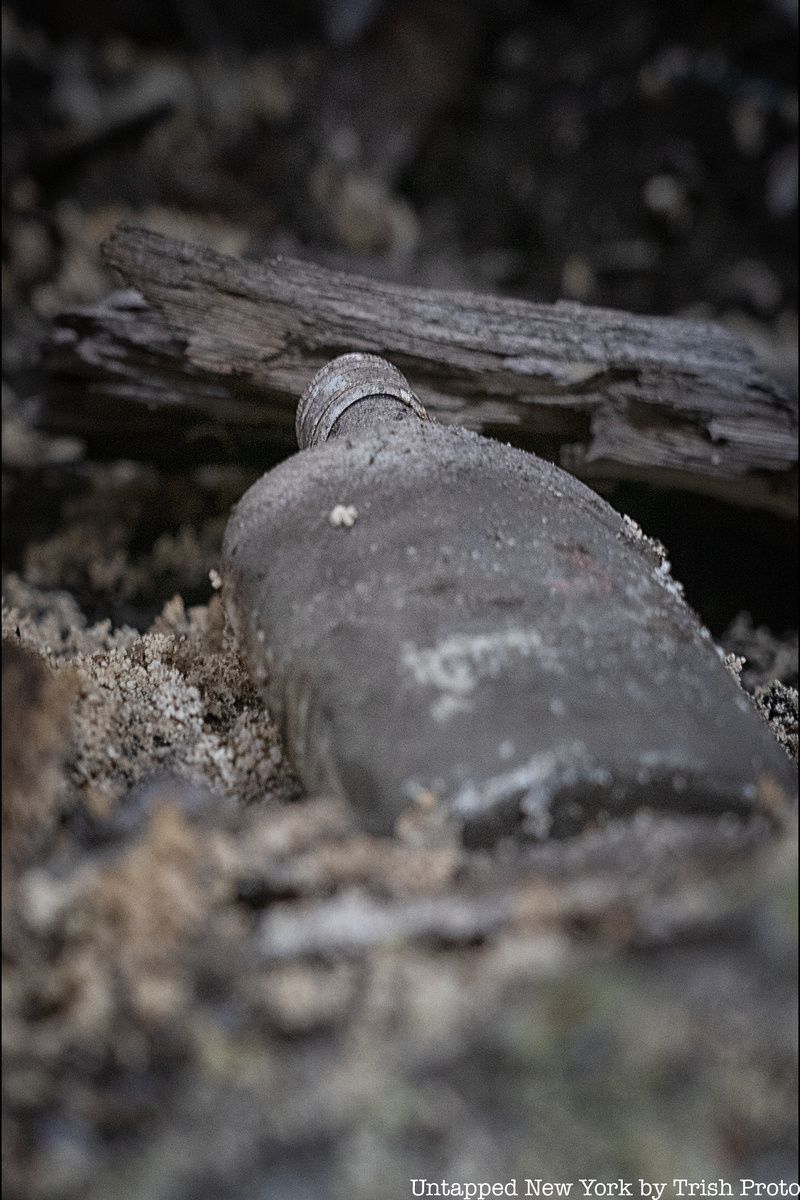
206 340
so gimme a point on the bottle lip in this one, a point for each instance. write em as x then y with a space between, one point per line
342 382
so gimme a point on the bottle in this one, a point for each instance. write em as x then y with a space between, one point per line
437 618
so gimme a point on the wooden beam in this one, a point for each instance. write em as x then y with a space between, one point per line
609 394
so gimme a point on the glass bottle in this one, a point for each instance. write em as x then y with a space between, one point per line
438 618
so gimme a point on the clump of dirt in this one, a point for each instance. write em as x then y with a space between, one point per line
766 654
175 698
50 623
119 538
36 705
777 703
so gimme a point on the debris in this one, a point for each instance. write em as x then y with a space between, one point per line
343 515
36 729
779 706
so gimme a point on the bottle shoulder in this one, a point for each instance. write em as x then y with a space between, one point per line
412 456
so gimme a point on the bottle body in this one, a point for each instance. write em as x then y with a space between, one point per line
483 631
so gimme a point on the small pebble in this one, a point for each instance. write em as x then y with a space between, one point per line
748 120
343 515
665 196
781 186
577 278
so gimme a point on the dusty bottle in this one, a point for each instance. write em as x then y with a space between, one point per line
437 617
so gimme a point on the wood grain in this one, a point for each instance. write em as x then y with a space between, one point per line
609 394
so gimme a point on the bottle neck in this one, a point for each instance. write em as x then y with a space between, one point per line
369 414
353 395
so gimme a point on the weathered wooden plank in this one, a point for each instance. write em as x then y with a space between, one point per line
610 394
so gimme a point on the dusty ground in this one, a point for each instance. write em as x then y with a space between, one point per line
213 985
216 987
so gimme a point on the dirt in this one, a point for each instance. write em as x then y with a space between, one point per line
215 986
